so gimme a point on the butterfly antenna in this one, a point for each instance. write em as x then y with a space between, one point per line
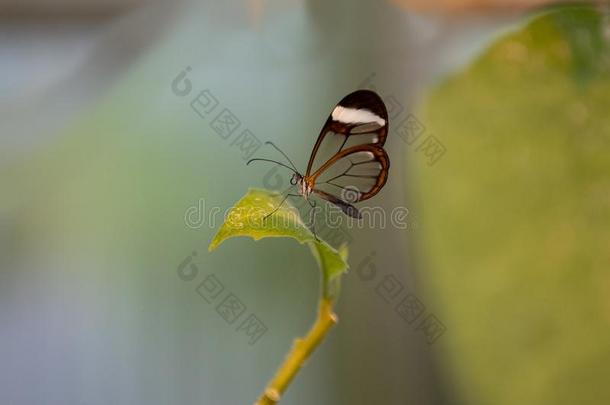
286 156
273 161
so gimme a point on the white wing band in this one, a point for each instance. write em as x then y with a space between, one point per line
355 116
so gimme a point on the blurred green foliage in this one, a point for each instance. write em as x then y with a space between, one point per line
515 217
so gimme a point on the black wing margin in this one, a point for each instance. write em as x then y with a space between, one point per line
360 118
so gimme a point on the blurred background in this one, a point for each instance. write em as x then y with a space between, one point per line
124 131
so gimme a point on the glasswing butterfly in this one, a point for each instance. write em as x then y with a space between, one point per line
348 163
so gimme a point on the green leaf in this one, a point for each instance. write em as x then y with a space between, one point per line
247 218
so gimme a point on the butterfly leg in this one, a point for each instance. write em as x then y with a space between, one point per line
312 218
281 203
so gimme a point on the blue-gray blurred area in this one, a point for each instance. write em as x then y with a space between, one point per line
113 158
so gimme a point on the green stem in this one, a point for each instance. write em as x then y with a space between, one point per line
301 349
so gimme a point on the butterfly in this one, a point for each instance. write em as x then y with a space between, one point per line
348 163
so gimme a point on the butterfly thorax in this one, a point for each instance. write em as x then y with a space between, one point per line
304 185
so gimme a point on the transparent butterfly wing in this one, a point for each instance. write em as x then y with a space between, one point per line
360 118
354 174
